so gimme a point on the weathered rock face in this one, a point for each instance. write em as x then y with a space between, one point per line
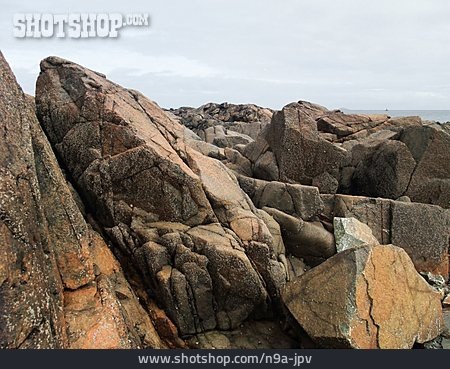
308 240
27 274
350 233
245 119
368 297
422 230
385 172
204 250
302 155
303 201
117 146
411 161
59 283
342 125
430 148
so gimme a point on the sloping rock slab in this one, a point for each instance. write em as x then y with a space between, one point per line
59 282
206 253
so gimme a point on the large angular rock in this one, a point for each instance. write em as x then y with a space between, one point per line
368 297
408 159
117 146
59 283
27 275
343 125
421 229
385 172
206 253
301 154
430 182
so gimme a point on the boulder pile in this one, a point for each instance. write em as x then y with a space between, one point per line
124 225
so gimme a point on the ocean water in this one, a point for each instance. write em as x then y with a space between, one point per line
440 116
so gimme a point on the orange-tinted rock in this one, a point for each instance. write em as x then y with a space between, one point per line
368 297
60 286
30 285
122 150
133 164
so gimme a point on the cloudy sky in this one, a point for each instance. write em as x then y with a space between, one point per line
359 54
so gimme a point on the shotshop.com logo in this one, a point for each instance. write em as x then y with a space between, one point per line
74 25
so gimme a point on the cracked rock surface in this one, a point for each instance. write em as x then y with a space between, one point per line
124 225
368 297
422 230
59 282
203 249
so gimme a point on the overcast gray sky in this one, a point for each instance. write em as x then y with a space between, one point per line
359 54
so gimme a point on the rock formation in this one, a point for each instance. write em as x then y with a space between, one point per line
367 155
368 297
201 245
60 285
124 225
228 119
422 230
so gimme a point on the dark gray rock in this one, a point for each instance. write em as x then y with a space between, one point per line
421 229
430 182
385 172
300 152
